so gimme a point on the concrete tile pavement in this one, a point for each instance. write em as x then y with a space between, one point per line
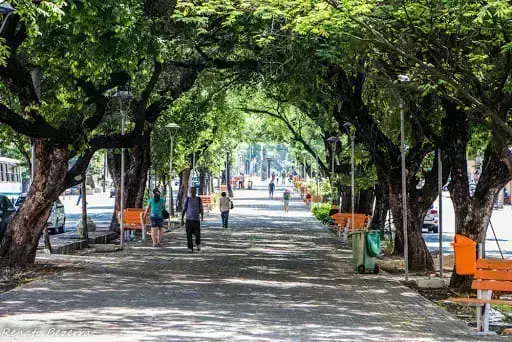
272 276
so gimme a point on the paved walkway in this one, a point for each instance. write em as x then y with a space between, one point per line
272 276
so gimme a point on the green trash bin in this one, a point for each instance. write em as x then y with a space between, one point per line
358 242
365 248
372 250
249 185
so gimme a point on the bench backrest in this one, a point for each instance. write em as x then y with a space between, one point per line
131 216
206 198
360 219
493 274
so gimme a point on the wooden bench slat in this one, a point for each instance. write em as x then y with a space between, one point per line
494 285
494 264
478 301
493 275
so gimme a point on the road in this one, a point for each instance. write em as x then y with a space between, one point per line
501 221
100 208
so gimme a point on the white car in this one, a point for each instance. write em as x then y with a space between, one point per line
56 221
431 221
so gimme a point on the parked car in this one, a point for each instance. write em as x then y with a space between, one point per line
195 182
56 221
431 221
7 212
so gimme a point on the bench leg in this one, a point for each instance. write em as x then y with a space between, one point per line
346 231
482 312
143 225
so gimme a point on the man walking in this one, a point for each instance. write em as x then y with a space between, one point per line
271 188
193 207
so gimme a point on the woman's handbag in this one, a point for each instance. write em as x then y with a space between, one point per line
231 205
165 214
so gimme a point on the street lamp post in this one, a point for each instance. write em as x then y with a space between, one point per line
332 141
172 129
350 132
404 79
304 169
122 95
440 185
317 172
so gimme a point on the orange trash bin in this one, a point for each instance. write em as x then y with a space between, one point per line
464 250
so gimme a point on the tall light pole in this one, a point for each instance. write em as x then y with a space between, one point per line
122 95
332 140
440 185
172 130
105 172
350 132
317 172
404 79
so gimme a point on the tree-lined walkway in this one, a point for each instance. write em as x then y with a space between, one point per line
273 276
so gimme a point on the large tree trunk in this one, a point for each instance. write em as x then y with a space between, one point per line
472 214
381 206
137 163
183 190
364 201
418 253
203 174
19 245
228 175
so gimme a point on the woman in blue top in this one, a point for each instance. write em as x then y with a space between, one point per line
155 207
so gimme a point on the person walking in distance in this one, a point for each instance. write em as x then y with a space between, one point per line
79 194
193 208
271 188
283 176
286 200
225 205
155 209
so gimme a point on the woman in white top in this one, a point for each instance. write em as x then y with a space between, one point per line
224 206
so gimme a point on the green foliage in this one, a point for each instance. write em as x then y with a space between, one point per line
321 211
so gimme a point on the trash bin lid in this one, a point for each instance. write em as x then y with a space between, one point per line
461 240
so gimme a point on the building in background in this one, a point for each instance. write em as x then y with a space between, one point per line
10 178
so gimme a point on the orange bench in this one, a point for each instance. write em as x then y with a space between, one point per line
341 220
491 275
315 199
207 201
133 219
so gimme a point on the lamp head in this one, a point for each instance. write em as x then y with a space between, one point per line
5 7
172 126
333 140
403 78
123 92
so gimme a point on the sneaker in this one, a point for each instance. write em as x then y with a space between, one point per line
190 250
198 248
